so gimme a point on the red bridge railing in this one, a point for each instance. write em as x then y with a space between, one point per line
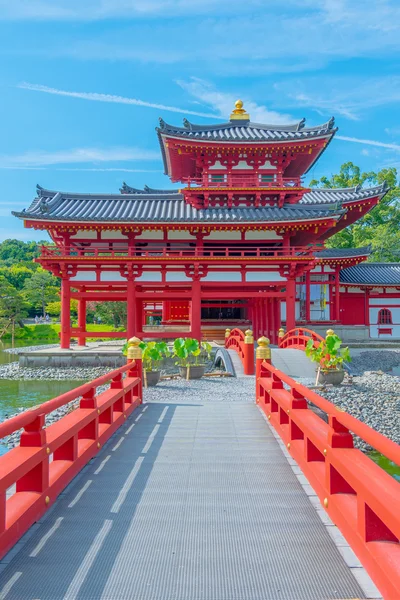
243 343
47 459
361 498
298 338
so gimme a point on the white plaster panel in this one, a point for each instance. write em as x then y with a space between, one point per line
84 276
373 315
264 276
226 276
355 290
223 235
267 165
89 235
217 165
242 164
111 276
149 276
382 302
262 235
151 235
373 331
176 276
113 235
180 235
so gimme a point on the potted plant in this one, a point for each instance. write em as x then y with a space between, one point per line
330 357
152 355
191 355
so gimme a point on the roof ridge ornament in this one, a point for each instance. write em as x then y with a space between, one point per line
239 113
301 124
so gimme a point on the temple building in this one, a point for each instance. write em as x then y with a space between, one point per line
241 243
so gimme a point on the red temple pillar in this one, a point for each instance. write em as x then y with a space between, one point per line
262 316
308 296
277 319
81 321
65 313
290 304
195 310
273 326
337 294
130 309
138 318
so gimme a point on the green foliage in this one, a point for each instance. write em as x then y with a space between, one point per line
16 251
381 226
13 307
113 313
41 289
329 354
189 351
54 308
153 353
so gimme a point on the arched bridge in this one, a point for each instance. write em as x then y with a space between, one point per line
240 492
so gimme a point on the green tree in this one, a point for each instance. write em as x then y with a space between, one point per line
16 275
41 289
12 307
12 251
112 313
381 226
54 308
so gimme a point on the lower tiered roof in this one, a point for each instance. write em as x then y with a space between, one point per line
169 206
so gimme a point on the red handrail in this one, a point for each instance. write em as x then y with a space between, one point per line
361 498
47 459
244 346
161 250
298 338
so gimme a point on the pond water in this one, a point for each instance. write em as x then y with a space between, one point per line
395 371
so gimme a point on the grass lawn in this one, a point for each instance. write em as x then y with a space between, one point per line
49 332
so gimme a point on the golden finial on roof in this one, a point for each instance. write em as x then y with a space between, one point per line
239 113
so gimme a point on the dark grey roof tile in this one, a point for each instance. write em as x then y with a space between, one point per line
372 274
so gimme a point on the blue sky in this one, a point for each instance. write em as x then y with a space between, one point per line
84 82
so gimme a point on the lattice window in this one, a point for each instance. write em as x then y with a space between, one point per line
267 178
385 317
217 178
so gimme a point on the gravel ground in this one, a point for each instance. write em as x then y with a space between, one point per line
207 389
14 371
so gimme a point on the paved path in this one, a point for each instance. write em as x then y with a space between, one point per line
191 500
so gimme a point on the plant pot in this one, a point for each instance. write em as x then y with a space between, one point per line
153 377
195 371
331 376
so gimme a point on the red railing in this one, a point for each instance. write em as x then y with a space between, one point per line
248 181
119 250
361 498
298 338
243 343
47 459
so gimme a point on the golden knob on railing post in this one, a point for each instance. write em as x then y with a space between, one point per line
227 333
248 337
281 332
263 350
330 332
134 351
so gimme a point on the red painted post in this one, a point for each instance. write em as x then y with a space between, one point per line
290 304
65 313
134 356
248 353
337 294
195 313
81 321
308 296
130 308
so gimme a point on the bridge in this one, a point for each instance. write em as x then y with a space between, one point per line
246 496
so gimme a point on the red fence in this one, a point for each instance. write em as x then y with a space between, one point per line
298 338
160 250
243 343
47 459
361 498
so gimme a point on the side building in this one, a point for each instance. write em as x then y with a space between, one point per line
241 244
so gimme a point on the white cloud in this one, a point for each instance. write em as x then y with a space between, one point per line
39 158
369 142
349 97
224 102
95 97
365 152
